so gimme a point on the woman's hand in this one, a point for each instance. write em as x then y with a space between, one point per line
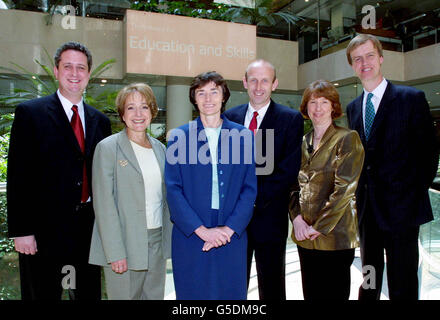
120 266
313 234
213 237
301 228
208 246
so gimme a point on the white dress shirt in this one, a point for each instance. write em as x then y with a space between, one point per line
378 93
67 105
250 114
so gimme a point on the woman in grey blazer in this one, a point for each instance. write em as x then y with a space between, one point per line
132 232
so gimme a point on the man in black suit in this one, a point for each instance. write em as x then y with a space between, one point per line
50 213
401 157
267 231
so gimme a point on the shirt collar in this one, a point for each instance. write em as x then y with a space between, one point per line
67 105
261 112
379 91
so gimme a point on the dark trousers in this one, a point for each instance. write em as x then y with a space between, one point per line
45 274
270 259
326 274
43 279
402 256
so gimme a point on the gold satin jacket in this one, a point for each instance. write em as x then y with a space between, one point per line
328 179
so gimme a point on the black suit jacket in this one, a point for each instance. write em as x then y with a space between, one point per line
45 173
401 158
270 220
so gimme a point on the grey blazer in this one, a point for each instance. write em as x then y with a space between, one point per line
120 229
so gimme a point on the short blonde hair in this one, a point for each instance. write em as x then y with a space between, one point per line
145 90
359 40
318 89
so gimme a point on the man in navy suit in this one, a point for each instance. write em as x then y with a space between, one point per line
281 148
401 158
50 213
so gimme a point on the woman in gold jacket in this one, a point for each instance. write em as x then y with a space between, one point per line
324 219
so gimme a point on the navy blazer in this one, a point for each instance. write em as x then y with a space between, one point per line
189 184
45 172
401 159
270 221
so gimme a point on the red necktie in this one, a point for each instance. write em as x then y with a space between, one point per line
253 124
79 133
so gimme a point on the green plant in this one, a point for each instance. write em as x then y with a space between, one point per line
262 15
4 147
38 86
6 244
195 9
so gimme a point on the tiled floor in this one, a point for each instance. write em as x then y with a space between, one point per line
293 278
430 280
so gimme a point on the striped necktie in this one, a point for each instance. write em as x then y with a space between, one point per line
369 115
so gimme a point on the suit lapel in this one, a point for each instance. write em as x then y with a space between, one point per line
91 124
269 120
159 154
241 113
358 118
127 150
58 115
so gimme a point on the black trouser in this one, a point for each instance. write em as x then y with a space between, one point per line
45 274
326 274
402 254
270 260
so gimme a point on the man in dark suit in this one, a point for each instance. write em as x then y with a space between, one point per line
50 213
396 129
281 148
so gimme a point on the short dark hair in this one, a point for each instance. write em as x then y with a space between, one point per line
203 79
73 45
318 89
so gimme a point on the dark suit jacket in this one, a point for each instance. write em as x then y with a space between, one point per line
45 173
401 159
270 220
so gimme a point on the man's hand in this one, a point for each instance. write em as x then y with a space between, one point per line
26 245
120 266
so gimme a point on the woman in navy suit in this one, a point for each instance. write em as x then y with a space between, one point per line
211 189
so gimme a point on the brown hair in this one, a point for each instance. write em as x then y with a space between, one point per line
359 40
318 89
203 79
145 90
